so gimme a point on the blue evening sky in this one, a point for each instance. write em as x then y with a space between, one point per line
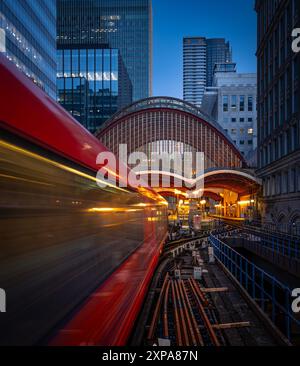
234 20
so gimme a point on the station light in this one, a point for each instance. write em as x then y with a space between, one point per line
177 192
101 209
141 205
242 203
111 209
164 202
246 202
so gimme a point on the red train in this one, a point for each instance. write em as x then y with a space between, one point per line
75 260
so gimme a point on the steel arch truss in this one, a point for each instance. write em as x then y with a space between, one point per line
140 127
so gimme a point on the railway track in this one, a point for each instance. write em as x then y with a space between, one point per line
184 315
177 243
171 245
205 312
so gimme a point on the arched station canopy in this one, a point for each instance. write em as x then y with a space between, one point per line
172 122
242 182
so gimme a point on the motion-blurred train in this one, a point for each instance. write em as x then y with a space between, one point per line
75 260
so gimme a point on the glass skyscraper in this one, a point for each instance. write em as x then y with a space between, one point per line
28 38
88 84
218 51
194 69
200 55
125 25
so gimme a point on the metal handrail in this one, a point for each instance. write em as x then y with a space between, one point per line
246 273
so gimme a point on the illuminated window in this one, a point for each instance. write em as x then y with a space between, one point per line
233 103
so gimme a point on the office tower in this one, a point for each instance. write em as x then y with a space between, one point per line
194 69
218 52
200 55
88 84
231 101
28 39
125 25
278 113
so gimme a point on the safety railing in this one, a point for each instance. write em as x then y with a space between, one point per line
288 232
273 297
275 233
278 245
286 247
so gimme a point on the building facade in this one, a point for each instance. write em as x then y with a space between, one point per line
194 69
232 103
125 25
200 55
236 108
88 84
278 112
28 39
218 52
